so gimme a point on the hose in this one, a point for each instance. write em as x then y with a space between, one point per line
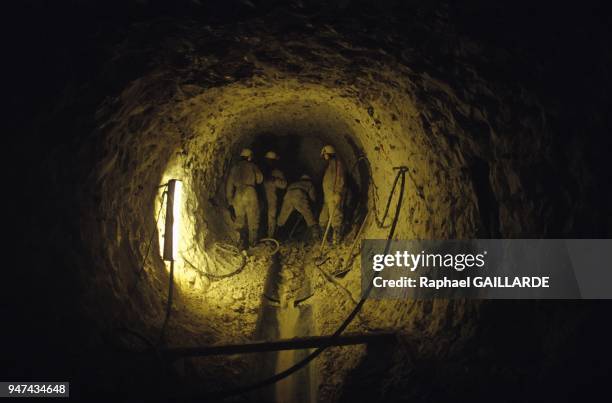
216 277
379 222
148 248
277 247
305 361
168 304
335 282
170 284
171 288
331 213
349 256
382 222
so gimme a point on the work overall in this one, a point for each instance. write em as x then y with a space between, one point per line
242 195
299 197
275 181
334 189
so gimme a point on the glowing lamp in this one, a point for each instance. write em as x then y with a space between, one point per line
171 235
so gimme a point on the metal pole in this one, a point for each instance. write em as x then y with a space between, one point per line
297 343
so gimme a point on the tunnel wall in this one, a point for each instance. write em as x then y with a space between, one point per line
200 133
166 127
489 154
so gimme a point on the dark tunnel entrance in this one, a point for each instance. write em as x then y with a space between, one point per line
300 155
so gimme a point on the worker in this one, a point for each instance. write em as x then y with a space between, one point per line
241 194
334 189
273 182
300 197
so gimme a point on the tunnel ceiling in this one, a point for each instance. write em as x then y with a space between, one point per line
484 139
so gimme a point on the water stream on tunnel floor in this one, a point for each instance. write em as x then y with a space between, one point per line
282 318
288 316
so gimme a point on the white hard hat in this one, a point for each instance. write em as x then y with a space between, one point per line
271 155
247 153
328 149
305 177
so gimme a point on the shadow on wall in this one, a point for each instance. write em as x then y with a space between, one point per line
487 204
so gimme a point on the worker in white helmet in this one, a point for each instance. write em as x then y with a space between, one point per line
274 182
334 189
300 197
241 194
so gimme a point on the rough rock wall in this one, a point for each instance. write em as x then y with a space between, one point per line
483 149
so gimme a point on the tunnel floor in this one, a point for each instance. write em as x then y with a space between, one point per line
288 306
286 313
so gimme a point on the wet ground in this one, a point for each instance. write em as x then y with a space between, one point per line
287 313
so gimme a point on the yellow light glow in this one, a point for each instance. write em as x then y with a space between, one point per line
173 216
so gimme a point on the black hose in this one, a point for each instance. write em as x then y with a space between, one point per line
305 361
148 248
382 222
379 222
216 277
274 241
170 286
168 304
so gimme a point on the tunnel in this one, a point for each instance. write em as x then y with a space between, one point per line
499 135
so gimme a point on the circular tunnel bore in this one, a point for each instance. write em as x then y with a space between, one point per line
494 147
194 134
298 120
298 142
